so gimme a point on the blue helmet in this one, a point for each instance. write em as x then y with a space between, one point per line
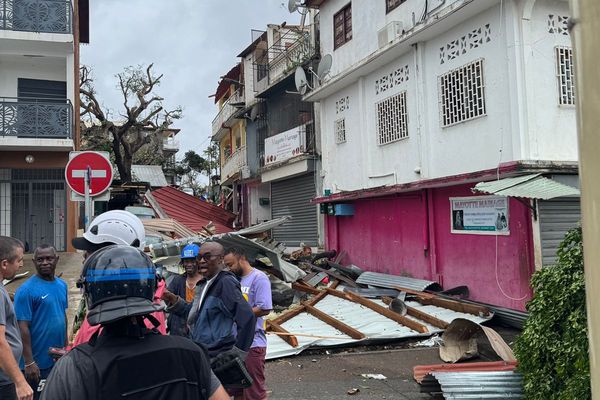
190 251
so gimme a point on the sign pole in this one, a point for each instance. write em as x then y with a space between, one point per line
87 179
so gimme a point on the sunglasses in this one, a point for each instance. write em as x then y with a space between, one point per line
208 256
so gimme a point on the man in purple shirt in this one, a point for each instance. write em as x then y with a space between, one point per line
256 289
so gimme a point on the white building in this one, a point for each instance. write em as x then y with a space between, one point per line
39 104
424 100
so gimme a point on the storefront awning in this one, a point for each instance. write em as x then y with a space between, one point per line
529 186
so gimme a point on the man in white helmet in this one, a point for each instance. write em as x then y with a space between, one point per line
114 227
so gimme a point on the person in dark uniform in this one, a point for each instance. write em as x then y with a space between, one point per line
127 360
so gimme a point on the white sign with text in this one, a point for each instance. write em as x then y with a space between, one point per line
285 145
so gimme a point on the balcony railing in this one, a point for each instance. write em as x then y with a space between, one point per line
170 144
49 16
227 110
234 163
36 118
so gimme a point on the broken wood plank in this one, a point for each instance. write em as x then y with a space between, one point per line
414 325
289 315
414 292
317 298
423 316
339 325
285 335
335 284
302 287
335 275
454 305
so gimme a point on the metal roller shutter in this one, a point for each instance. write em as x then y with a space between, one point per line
292 197
556 216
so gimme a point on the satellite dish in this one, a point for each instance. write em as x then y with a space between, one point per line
301 80
254 112
324 66
292 6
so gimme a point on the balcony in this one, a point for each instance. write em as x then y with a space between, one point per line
36 118
229 108
40 16
170 145
291 50
233 165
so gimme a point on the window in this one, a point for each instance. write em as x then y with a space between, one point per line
342 26
391 4
462 96
392 119
340 130
565 75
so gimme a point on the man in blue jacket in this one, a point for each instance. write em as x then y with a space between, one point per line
218 305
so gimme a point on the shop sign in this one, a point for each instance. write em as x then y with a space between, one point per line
285 145
479 215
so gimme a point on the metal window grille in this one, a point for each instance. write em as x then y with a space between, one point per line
565 75
392 119
462 94
340 130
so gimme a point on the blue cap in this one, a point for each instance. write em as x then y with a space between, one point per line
190 251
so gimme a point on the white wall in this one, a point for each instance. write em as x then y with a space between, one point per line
368 17
48 68
522 122
551 127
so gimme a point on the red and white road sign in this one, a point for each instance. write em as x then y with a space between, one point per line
100 168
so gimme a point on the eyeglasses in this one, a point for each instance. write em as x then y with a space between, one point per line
208 256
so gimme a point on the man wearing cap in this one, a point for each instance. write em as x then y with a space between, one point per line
127 360
184 286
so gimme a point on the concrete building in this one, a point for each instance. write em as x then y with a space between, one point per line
39 104
423 101
268 136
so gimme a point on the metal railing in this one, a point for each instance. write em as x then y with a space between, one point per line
289 51
26 117
227 110
234 163
49 16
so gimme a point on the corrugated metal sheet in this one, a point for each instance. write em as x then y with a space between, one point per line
191 211
152 174
390 281
530 186
372 324
556 217
292 197
264 226
420 371
507 316
475 385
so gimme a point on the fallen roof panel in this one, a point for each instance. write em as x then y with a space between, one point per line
475 385
312 332
420 371
392 281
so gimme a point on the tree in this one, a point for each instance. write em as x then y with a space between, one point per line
144 118
190 168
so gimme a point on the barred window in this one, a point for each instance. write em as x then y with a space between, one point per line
462 94
565 75
340 130
342 26
392 119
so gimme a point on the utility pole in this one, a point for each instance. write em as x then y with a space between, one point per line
585 33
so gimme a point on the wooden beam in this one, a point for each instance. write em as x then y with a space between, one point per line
302 287
289 315
454 305
339 325
275 327
335 284
430 319
414 325
415 292
335 275
317 298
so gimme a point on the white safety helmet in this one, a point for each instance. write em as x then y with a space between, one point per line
112 227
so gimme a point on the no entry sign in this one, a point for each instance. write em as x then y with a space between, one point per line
101 172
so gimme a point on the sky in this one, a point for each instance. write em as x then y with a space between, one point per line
191 42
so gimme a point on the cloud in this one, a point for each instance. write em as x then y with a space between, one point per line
191 42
